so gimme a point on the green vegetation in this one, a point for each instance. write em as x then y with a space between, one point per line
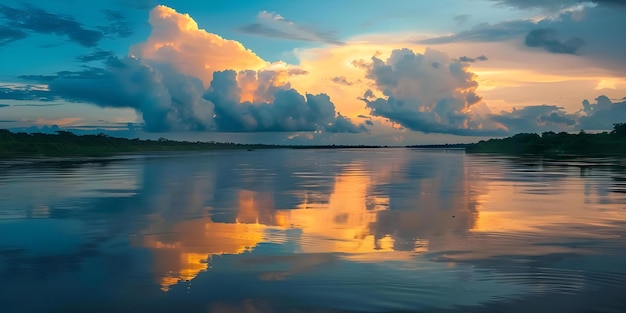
550 143
65 143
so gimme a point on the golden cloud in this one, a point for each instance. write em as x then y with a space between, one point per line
177 40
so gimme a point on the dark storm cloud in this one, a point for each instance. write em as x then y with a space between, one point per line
9 34
547 39
98 55
33 19
287 111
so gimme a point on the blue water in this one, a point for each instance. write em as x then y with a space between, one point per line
364 230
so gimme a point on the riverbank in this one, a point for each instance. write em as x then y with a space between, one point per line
68 144
550 143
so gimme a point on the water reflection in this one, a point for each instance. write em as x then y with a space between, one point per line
433 229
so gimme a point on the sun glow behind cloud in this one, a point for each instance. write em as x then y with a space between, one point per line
510 72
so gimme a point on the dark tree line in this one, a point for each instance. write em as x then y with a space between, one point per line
67 143
606 143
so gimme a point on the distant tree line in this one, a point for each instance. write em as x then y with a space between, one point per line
66 143
605 143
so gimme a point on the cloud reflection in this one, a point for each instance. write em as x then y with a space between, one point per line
283 217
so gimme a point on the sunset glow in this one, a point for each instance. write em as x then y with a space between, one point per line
492 68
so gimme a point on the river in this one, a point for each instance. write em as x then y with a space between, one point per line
328 230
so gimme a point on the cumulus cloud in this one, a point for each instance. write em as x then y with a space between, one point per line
166 99
283 108
37 20
167 84
274 25
537 118
602 114
177 40
427 92
547 39
169 100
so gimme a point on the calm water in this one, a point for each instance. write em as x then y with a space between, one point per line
383 230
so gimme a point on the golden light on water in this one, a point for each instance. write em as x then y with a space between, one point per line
183 250
455 209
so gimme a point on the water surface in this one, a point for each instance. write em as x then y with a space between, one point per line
380 230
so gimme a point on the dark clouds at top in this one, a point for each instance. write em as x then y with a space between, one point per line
555 4
30 18
10 34
20 21
595 33
547 39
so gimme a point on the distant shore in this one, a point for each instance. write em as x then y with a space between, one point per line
65 143
555 144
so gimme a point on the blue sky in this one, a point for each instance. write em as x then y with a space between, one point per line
394 72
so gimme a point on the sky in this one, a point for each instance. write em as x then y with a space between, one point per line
319 72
